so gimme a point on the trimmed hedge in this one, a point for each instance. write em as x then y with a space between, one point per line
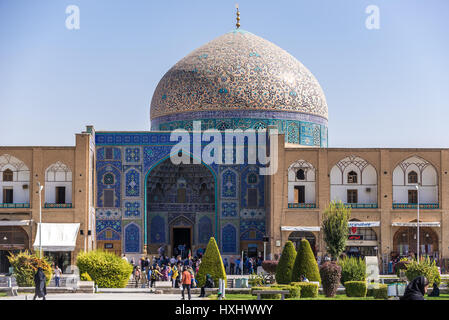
381 292
285 265
265 296
106 269
355 288
25 267
305 264
211 263
308 289
295 291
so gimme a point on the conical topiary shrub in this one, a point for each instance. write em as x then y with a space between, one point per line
305 264
211 263
285 265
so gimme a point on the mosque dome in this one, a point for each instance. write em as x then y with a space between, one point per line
240 80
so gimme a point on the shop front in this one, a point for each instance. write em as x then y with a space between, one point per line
405 239
13 239
362 239
58 241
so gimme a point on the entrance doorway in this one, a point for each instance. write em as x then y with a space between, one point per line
181 241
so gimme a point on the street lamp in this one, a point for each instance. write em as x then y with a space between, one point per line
40 187
417 233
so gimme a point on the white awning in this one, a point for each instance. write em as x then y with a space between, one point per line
14 223
299 228
363 224
414 224
57 236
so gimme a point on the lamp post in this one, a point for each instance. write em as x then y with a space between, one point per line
40 187
417 233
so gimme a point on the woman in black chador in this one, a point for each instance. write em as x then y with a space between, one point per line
416 289
39 282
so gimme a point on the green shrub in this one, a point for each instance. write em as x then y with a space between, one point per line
25 267
308 289
256 280
265 296
295 291
85 277
285 265
424 268
211 263
352 269
380 292
355 288
106 269
330 273
305 264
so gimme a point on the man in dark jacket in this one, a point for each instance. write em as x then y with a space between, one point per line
209 284
416 289
40 286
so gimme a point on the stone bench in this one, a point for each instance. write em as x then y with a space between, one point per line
281 292
163 284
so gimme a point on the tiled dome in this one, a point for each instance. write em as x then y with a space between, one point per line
238 71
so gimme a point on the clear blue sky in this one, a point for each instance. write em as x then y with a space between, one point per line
384 88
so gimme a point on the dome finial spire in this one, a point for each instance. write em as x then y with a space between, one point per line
238 16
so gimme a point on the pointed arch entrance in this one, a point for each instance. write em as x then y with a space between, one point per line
178 199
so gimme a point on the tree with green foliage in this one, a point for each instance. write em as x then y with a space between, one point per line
285 265
105 268
211 263
352 269
335 228
305 264
25 266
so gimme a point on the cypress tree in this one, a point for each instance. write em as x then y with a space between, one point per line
305 264
285 265
335 228
211 263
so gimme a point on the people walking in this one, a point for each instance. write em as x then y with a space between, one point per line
57 274
186 282
39 283
209 284
137 275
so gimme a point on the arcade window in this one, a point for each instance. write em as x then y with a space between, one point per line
7 175
413 196
352 177
181 196
8 195
300 194
252 198
300 175
60 195
352 196
412 177
108 198
108 153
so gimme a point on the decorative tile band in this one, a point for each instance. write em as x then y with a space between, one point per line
415 206
57 205
14 205
182 207
302 205
362 205
238 114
